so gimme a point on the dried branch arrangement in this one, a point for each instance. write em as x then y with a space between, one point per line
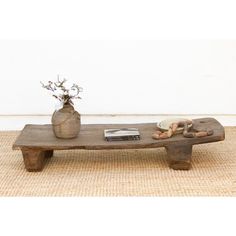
61 92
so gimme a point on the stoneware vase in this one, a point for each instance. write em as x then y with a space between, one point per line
66 122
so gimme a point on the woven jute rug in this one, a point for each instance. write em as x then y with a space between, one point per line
121 172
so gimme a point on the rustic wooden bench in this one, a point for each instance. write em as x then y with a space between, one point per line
38 142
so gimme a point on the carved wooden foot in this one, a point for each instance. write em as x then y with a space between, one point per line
179 156
34 159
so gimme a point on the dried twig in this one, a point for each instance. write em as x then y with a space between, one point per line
60 92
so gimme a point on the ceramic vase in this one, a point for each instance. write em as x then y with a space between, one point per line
66 122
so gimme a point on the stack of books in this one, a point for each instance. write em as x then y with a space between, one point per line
121 134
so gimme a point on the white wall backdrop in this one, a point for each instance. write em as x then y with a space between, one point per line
121 77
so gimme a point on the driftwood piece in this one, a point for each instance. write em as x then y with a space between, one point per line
37 142
185 125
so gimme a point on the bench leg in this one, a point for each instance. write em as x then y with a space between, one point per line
34 159
179 156
48 153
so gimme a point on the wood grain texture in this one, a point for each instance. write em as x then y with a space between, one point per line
91 137
37 142
179 156
33 159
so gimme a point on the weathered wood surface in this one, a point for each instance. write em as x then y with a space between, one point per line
91 137
34 159
179 156
38 142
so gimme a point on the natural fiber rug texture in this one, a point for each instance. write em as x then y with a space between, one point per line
121 172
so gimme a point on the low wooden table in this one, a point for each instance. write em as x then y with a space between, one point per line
38 142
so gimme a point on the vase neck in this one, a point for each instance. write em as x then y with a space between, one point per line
67 107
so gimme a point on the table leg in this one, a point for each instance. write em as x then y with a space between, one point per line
48 153
179 156
34 159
